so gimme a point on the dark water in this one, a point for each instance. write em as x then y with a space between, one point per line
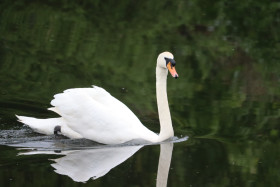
227 99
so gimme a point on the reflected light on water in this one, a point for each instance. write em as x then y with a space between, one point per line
81 165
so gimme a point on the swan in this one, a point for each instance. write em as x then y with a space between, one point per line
94 114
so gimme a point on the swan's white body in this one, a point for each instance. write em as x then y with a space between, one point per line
94 114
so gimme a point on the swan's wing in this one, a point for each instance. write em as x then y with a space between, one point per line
96 115
64 103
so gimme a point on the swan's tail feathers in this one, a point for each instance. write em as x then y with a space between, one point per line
49 126
43 126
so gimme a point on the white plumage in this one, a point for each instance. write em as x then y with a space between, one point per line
94 114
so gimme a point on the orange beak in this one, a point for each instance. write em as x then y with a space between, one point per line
172 70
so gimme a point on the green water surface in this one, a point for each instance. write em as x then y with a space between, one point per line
226 100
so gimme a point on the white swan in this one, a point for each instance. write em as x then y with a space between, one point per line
94 114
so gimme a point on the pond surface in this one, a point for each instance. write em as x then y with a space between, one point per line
225 106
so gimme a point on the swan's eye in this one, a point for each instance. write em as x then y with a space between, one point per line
172 61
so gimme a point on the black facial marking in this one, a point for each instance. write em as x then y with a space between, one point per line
173 63
57 129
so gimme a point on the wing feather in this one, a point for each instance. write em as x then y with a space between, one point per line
95 114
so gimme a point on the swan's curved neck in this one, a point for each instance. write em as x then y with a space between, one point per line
166 129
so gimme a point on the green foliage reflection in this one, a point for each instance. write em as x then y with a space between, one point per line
227 55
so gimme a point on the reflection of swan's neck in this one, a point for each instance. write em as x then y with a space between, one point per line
166 129
164 164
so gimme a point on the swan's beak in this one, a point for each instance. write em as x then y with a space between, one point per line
172 70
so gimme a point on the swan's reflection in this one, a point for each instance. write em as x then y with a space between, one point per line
86 164
81 165
164 164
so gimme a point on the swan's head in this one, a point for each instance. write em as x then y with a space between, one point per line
166 60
